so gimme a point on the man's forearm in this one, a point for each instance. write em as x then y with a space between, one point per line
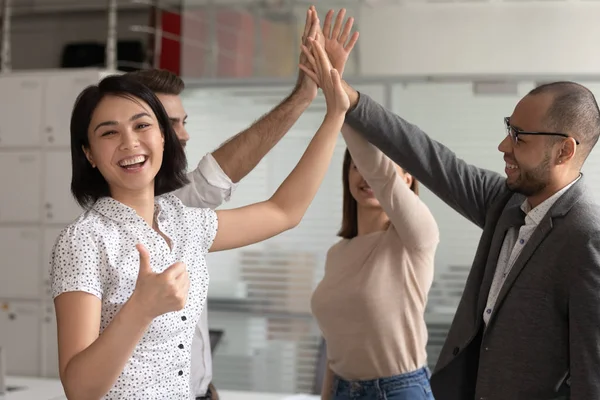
239 155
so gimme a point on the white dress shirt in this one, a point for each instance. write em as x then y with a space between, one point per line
97 254
201 373
514 241
209 187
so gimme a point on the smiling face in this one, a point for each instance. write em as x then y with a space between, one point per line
125 144
530 161
362 192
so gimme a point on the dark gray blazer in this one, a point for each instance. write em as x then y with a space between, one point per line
543 338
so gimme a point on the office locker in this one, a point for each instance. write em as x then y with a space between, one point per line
59 205
20 336
20 249
20 114
57 114
21 186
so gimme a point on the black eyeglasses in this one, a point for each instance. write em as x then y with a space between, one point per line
515 132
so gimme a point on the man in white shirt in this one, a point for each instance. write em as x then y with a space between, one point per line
218 173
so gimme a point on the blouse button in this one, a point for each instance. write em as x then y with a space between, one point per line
183 318
180 346
180 373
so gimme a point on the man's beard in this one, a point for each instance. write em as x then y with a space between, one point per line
532 182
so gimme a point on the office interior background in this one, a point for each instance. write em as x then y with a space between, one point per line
455 68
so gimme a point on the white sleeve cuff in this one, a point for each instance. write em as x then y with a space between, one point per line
214 175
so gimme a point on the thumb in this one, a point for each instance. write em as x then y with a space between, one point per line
144 259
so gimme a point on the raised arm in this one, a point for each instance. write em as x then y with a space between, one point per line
464 187
409 215
285 209
240 155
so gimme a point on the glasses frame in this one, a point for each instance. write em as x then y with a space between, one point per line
515 132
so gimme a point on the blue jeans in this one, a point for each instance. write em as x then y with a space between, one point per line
409 386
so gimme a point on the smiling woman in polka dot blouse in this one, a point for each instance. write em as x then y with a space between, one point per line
129 276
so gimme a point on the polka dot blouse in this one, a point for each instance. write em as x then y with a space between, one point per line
97 254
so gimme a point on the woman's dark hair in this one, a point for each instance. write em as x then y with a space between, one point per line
349 228
87 183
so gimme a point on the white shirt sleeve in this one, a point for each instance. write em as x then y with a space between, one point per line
209 186
205 224
75 263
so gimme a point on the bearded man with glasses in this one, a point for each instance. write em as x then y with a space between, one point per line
528 324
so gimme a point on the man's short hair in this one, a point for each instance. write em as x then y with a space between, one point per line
573 111
159 80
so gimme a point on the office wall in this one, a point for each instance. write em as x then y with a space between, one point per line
242 45
480 38
488 38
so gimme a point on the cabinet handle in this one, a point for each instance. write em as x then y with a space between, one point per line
48 129
50 139
49 215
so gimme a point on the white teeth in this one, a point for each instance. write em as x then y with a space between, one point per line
511 166
132 160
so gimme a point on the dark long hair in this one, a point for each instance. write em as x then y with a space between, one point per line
349 227
87 183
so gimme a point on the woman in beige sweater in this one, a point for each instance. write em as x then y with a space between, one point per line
370 304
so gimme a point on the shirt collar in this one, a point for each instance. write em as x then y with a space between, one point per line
119 212
535 215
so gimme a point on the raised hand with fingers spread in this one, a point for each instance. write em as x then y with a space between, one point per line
337 41
327 77
156 294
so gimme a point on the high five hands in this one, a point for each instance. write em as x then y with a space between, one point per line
325 54
328 78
